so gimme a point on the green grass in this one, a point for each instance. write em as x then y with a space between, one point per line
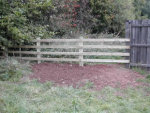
140 71
34 97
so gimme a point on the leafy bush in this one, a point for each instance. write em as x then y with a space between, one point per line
12 70
21 21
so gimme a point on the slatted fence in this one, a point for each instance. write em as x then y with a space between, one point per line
80 50
139 33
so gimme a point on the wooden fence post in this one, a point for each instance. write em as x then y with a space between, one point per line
5 53
20 55
38 44
128 35
81 51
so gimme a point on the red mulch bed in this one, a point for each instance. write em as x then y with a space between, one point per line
101 75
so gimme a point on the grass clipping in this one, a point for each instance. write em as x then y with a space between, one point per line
34 97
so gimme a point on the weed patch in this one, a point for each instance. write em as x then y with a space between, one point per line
34 97
12 70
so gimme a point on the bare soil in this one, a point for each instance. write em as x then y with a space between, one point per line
101 75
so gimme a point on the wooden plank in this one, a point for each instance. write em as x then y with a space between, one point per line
128 30
106 61
77 47
81 52
140 45
20 55
49 59
133 41
141 65
138 42
128 35
105 47
73 53
85 40
38 50
57 40
26 47
23 52
148 49
107 40
52 46
141 25
106 54
74 60
144 35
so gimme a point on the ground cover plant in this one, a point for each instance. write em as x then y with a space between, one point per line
34 97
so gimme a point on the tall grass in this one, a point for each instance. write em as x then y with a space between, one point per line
34 97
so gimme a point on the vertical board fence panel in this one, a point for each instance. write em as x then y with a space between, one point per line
148 43
139 33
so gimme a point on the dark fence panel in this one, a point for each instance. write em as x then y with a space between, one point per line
139 33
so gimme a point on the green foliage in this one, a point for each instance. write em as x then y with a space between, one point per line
11 23
22 21
111 15
34 97
146 9
12 70
140 70
139 5
148 77
17 18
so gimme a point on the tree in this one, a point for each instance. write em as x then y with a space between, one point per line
11 23
111 15
17 18
139 6
146 9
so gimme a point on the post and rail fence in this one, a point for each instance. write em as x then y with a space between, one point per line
133 50
81 50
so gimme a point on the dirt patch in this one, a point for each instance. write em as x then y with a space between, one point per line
100 75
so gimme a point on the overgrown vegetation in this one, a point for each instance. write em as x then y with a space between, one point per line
12 70
34 97
23 20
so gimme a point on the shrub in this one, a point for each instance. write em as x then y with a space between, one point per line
12 70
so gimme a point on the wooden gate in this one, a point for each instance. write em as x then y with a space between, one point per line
139 33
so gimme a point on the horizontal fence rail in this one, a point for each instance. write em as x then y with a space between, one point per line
71 53
114 50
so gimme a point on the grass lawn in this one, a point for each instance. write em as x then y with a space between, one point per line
34 97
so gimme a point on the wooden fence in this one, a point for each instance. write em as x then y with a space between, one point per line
80 50
139 33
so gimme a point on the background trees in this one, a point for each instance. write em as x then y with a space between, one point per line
111 14
146 9
22 20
